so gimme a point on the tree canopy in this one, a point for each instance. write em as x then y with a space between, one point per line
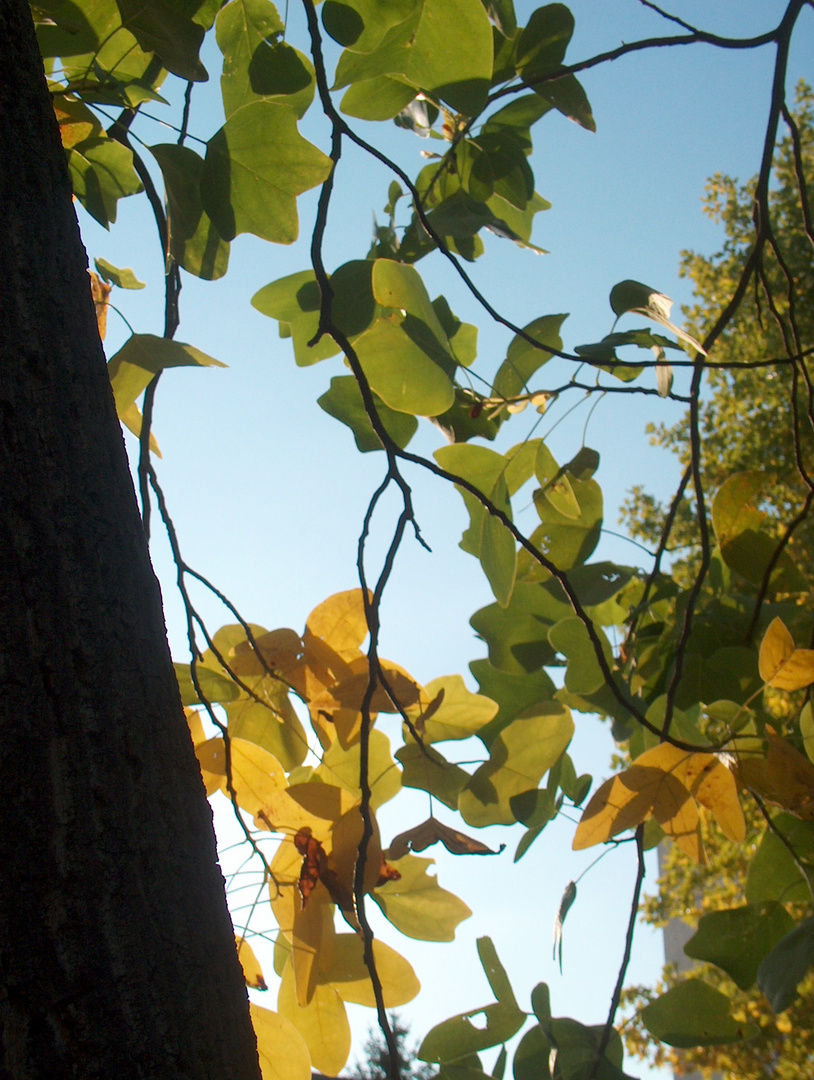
701 666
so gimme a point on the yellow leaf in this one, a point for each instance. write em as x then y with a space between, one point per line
349 976
282 1050
208 754
315 806
256 775
780 664
280 651
284 895
654 786
341 767
322 1023
349 691
131 418
252 972
712 784
195 724
313 935
340 620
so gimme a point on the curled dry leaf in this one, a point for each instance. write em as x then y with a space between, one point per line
432 831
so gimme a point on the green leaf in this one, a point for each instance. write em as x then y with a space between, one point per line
513 692
417 905
381 98
361 25
496 973
518 758
517 635
556 487
102 173
461 713
745 545
295 302
195 243
787 965
215 688
160 27
694 1014
256 165
534 808
807 729
405 375
541 1004
344 402
570 637
773 873
523 360
575 1048
501 12
739 938
568 542
567 95
531 1056
428 770
498 557
418 49
458 1036
141 357
397 285
124 279
271 723
542 44
642 300
341 767
517 117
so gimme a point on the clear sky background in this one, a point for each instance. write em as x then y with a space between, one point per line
268 492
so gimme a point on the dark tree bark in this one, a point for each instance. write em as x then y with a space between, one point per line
117 958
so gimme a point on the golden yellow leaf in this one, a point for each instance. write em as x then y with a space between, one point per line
195 724
664 783
712 784
283 892
210 753
780 664
282 1050
350 690
256 775
315 806
313 934
340 620
280 651
322 1023
349 976
252 972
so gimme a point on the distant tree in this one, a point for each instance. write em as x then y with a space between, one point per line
376 1062
739 421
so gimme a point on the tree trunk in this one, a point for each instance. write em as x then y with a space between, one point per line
117 958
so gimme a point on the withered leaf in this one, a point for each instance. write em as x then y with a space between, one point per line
432 831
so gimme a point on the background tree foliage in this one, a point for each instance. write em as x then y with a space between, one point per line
702 670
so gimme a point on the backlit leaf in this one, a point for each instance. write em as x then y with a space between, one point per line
409 377
782 665
125 279
428 770
102 173
255 167
282 1050
347 973
252 972
495 972
340 620
460 713
521 754
195 243
160 27
417 905
322 1023
342 767
344 402
255 774
432 831
418 49
642 300
457 1037
523 359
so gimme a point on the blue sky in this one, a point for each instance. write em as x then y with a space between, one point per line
268 492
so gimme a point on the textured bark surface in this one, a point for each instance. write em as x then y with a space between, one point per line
116 952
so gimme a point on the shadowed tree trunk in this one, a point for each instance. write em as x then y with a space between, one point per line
117 958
